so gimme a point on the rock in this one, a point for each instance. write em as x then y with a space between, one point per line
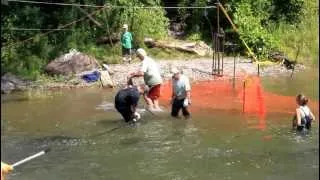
72 63
106 79
10 82
6 87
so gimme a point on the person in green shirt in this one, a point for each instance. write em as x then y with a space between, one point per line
126 43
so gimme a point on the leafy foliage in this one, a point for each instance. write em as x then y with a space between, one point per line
265 25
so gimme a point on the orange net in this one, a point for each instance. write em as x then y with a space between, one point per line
224 94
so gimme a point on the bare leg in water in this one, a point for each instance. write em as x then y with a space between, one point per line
149 102
156 104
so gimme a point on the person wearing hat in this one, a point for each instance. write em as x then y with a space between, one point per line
181 94
5 169
152 78
126 43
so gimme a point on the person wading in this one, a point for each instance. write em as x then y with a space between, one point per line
303 116
126 102
181 94
152 78
126 43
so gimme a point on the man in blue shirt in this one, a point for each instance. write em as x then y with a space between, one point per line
181 94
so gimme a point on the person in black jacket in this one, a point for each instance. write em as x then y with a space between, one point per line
126 102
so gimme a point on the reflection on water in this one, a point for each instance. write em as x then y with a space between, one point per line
89 141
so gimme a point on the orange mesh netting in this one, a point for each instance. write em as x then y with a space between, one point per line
220 94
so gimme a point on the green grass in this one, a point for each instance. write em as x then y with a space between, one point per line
304 36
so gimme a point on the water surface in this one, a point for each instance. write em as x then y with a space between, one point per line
90 143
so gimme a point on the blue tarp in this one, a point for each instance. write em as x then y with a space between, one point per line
91 77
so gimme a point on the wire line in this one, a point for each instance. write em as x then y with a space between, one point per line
113 6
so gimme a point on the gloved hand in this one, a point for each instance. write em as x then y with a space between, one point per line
137 115
5 169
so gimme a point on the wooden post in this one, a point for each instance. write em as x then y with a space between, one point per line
258 69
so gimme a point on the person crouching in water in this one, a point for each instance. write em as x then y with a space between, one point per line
126 102
303 115
181 94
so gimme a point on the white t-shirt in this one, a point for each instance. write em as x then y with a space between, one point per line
151 72
181 86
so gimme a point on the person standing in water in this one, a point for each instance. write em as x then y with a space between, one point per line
126 43
5 169
126 102
303 115
152 78
181 94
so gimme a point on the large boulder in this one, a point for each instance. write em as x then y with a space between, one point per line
72 63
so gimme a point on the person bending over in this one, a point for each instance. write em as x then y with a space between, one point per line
181 94
152 78
303 115
126 101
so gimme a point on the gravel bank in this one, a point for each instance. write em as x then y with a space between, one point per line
199 69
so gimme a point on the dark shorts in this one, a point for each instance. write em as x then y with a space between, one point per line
176 106
126 52
126 113
154 92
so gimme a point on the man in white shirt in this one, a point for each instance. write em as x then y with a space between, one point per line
181 94
152 78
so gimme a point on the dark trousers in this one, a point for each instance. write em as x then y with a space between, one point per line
126 113
176 106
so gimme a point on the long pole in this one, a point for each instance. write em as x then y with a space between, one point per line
30 158
235 29
244 95
234 68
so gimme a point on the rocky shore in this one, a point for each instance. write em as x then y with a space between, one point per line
195 69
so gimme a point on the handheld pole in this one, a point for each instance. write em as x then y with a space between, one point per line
30 158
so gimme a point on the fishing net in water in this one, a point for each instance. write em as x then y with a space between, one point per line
244 94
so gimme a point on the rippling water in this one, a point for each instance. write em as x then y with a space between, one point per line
89 141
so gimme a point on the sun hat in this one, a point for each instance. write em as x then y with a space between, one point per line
142 52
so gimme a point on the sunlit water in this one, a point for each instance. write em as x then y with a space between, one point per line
90 142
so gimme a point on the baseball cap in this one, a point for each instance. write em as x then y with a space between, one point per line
125 26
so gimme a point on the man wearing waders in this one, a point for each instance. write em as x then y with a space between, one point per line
126 43
126 102
181 94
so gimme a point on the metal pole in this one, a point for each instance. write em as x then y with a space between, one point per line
244 95
218 38
234 69
222 54
258 69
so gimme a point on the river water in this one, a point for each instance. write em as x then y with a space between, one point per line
88 142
